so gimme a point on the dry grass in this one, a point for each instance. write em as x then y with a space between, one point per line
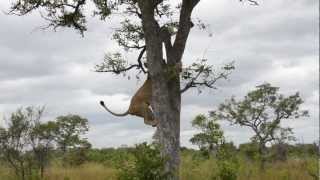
6 174
89 171
294 169
197 169
191 169
290 170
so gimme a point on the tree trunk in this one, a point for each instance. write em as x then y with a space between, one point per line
169 126
41 171
165 92
166 105
263 154
22 172
166 95
168 130
282 151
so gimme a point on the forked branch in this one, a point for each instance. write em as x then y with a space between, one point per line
116 64
202 75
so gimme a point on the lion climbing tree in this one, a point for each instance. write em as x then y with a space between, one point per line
158 31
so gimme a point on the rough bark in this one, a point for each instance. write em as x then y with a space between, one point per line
165 91
166 95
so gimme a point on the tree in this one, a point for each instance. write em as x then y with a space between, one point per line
15 140
154 25
281 139
210 136
249 150
26 143
262 110
69 131
42 140
211 141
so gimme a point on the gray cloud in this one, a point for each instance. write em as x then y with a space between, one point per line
276 42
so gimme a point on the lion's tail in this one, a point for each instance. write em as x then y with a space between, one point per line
115 114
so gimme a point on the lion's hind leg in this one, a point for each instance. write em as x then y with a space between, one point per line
148 115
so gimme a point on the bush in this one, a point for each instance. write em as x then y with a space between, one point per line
228 169
147 164
111 157
75 157
228 164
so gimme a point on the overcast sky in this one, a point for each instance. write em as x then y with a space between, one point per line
276 42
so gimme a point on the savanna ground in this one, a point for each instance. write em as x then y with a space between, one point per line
110 165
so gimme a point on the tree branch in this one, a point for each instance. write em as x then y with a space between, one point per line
206 73
139 59
116 64
59 13
252 2
185 24
166 39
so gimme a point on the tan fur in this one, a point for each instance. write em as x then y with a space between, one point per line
141 101
140 104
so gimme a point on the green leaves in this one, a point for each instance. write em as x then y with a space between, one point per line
148 164
16 140
26 143
115 63
104 8
69 129
210 135
130 35
200 74
59 13
262 110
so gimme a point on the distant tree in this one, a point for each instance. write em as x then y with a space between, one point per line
250 150
69 131
210 136
280 146
15 140
262 110
78 155
229 146
42 141
26 143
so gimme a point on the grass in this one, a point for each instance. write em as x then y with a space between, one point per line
88 171
6 173
191 169
292 169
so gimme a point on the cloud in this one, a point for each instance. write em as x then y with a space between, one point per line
275 42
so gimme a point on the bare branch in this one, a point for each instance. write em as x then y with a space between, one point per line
202 75
139 59
116 64
118 71
252 2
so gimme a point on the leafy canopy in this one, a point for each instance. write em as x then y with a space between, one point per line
262 110
210 136
172 19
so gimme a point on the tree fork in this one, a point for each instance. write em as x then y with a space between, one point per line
166 106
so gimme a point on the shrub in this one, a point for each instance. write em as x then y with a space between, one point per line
228 164
147 164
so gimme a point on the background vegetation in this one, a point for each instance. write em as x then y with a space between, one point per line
110 163
33 149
